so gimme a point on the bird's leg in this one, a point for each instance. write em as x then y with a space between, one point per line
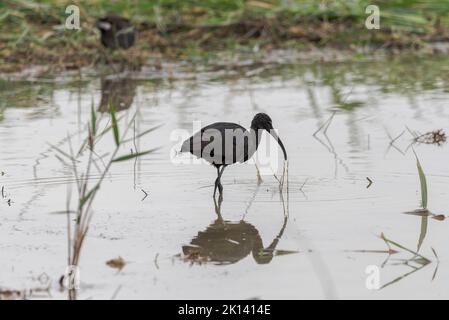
217 181
218 208
259 177
220 187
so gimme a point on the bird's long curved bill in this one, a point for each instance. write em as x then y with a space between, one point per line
276 137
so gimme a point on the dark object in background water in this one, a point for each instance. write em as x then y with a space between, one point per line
227 242
11 294
244 143
117 91
116 32
116 263
437 137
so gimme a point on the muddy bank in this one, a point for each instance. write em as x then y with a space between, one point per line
228 64
35 34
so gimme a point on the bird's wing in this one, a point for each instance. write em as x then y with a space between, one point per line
243 144
229 148
196 143
193 144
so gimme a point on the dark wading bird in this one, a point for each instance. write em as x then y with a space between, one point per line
225 143
116 32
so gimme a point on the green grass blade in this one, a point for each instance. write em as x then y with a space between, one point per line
93 119
423 182
114 125
423 232
84 199
133 155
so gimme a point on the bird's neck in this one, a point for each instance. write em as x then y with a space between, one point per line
257 134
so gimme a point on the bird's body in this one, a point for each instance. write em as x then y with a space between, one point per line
200 144
116 32
225 143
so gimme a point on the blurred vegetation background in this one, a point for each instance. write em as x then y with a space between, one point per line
33 32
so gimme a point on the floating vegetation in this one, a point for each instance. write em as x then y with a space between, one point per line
116 263
437 137
11 294
439 217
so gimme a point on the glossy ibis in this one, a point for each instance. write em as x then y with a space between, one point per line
225 143
116 32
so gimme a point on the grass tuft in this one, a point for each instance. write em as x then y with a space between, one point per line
87 193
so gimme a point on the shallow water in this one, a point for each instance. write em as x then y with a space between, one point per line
174 244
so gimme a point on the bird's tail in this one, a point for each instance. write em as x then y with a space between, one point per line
185 147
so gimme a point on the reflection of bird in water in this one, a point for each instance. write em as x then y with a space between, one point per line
116 32
227 242
117 91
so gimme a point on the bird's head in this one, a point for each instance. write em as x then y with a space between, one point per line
103 24
262 121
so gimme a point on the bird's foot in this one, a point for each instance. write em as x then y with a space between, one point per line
216 187
220 193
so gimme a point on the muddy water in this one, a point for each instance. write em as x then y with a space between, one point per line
174 244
